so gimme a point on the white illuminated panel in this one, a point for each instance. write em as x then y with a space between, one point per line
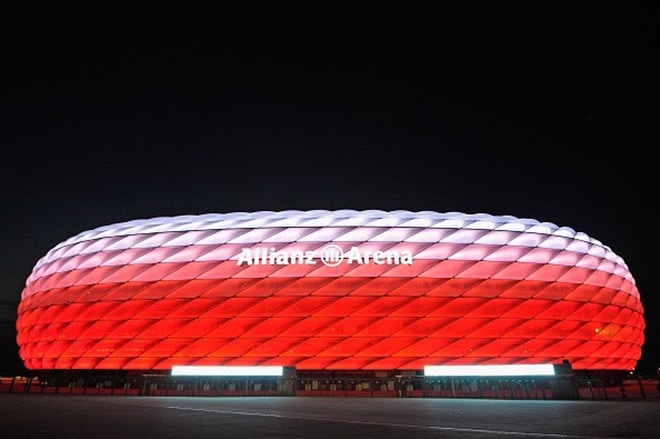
491 370
227 371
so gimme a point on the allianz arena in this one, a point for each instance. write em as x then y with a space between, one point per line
330 291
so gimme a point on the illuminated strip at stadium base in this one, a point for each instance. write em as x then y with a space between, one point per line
261 371
491 370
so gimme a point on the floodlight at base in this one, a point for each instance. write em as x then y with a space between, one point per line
227 371
491 370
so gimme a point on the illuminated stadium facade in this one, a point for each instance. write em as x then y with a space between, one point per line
330 291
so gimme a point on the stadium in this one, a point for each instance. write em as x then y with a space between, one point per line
385 292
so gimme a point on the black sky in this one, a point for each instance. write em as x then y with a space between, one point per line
112 111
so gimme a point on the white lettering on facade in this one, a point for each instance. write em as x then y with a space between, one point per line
331 255
264 256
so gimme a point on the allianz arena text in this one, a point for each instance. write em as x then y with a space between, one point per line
330 291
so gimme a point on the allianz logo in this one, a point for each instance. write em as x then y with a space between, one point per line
331 255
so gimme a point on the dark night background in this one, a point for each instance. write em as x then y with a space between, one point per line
112 111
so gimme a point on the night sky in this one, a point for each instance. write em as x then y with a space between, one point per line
113 111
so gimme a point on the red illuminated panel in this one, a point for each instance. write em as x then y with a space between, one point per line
330 290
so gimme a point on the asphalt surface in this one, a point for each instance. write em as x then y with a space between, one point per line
119 417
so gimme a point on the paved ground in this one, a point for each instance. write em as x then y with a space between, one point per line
98 417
